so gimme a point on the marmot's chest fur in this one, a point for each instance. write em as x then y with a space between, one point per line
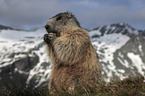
70 50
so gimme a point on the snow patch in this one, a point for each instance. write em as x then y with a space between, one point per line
17 41
38 70
123 62
137 62
121 70
109 43
94 32
140 49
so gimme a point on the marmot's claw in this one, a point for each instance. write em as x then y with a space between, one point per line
46 38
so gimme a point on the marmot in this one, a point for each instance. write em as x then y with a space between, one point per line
72 55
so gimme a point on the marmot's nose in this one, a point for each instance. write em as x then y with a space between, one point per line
47 27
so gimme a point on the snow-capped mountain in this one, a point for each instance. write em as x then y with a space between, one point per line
22 57
121 50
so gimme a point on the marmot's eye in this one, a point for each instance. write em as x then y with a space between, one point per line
58 18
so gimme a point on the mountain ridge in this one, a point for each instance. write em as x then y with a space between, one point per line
5 27
123 28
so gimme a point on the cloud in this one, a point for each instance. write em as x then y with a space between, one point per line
23 12
29 14
127 11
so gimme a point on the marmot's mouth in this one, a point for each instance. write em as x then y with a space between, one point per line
53 32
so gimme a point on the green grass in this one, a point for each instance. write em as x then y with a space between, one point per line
132 86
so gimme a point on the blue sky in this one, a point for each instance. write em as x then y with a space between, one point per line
31 14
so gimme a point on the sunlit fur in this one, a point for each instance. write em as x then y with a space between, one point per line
72 55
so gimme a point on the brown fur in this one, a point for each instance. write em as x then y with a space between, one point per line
71 53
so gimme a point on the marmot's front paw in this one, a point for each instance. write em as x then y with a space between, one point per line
46 38
49 37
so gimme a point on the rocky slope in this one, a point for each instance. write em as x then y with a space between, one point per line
121 50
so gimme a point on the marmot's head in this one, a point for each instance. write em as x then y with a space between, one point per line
58 22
